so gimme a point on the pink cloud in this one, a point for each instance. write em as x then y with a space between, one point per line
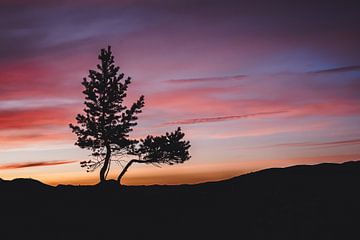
25 119
222 118
200 100
35 79
332 107
257 95
208 80
319 144
265 129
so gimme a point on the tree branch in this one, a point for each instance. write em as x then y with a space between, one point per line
127 166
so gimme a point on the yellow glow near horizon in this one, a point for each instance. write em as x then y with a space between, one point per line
170 175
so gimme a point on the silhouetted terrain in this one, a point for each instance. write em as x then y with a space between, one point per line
300 202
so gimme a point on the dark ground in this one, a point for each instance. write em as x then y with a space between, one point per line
301 202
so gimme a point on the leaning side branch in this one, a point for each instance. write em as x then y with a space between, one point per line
166 149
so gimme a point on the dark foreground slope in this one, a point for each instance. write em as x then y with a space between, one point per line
301 202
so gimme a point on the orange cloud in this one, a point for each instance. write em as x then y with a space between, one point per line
34 164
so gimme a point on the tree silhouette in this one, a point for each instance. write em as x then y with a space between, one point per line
105 125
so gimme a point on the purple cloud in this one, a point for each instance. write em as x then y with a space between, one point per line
338 70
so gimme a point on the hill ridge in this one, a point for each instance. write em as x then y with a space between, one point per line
269 171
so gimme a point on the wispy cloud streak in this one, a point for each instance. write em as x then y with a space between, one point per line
338 70
209 79
317 144
34 164
221 118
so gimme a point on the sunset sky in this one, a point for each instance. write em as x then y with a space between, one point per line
253 84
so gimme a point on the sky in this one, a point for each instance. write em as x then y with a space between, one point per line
253 84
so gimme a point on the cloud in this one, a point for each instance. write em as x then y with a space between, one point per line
193 100
266 129
311 99
222 118
334 107
35 103
36 79
34 164
318 144
338 70
34 118
25 138
209 79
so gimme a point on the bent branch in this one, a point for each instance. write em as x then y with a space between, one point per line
127 166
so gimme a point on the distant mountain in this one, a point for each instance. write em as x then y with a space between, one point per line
299 174
23 184
300 202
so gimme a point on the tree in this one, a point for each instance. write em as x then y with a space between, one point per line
105 125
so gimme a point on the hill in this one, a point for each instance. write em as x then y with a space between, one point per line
300 202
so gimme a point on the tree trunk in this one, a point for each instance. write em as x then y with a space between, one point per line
106 164
126 168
